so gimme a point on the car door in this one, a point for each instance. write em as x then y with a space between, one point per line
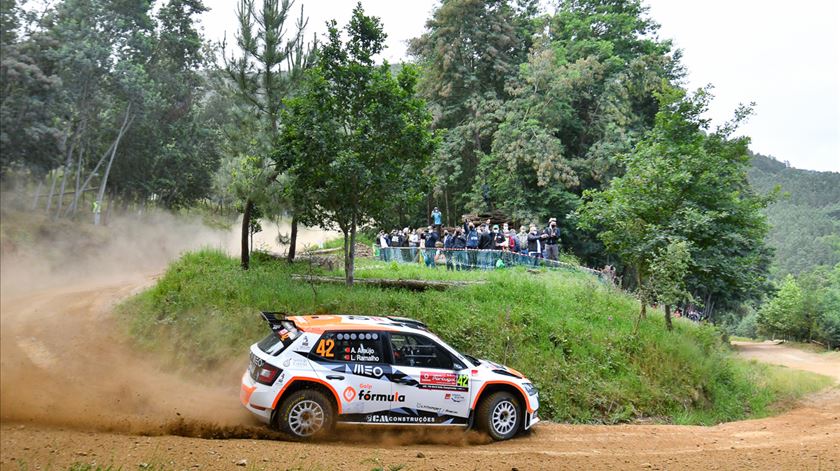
430 384
353 364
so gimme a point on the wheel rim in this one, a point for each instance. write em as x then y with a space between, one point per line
504 417
306 418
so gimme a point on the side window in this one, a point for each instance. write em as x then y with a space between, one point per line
362 347
419 351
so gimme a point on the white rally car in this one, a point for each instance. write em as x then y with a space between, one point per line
314 371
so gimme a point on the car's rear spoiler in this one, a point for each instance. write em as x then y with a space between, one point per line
275 319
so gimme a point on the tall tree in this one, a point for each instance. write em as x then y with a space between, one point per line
265 74
357 137
30 135
470 49
685 182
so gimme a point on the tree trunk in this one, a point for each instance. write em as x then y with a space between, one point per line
84 186
668 323
53 177
72 208
126 123
245 258
68 163
350 255
111 196
642 297
293 239
446 202
37 194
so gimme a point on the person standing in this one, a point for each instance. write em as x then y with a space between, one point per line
522 238
437 219
535 245
383 245
485 246
413 244
432 239
459 243
552 240
472 244
447 250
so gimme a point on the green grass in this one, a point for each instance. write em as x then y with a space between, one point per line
571 334
338 242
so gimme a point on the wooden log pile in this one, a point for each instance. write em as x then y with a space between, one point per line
414 285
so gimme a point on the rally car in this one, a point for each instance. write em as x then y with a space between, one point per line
312 372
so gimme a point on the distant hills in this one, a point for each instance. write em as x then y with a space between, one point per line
806 218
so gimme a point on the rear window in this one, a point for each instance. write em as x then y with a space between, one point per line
275 342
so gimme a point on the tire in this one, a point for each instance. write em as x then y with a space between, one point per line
499 415
306 414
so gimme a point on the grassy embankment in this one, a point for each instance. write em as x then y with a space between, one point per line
572 335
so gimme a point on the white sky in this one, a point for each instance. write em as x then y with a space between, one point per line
783 55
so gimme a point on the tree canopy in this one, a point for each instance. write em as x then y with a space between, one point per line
356 138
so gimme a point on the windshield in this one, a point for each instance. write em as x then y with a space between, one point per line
475 361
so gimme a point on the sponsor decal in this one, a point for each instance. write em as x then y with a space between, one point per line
349 394
296 363
393 419
432 377
365 395
365 386
428 407
448 411
368 370
305 342
360 354
445 381
454 397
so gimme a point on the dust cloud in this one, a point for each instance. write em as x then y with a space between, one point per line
65 360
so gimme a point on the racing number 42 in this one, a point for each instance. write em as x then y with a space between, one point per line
325 348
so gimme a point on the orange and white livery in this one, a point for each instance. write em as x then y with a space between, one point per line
314 371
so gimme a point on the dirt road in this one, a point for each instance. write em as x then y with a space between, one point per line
72 390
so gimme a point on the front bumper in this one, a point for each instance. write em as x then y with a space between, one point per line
531 419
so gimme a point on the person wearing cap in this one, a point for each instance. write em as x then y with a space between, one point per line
552 240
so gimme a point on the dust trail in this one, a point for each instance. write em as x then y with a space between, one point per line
64 359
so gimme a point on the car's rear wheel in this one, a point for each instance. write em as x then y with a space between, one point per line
499 415
306 414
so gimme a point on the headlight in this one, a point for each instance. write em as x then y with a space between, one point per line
530 388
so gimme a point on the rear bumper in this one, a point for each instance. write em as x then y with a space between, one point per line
252 395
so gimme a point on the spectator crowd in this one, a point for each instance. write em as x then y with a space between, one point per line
484 246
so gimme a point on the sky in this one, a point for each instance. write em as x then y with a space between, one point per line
782 55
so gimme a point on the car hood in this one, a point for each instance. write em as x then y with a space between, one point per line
499 368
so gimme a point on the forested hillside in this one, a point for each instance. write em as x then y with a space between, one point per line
805 221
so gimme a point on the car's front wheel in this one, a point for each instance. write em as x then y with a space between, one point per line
500 415
306 414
